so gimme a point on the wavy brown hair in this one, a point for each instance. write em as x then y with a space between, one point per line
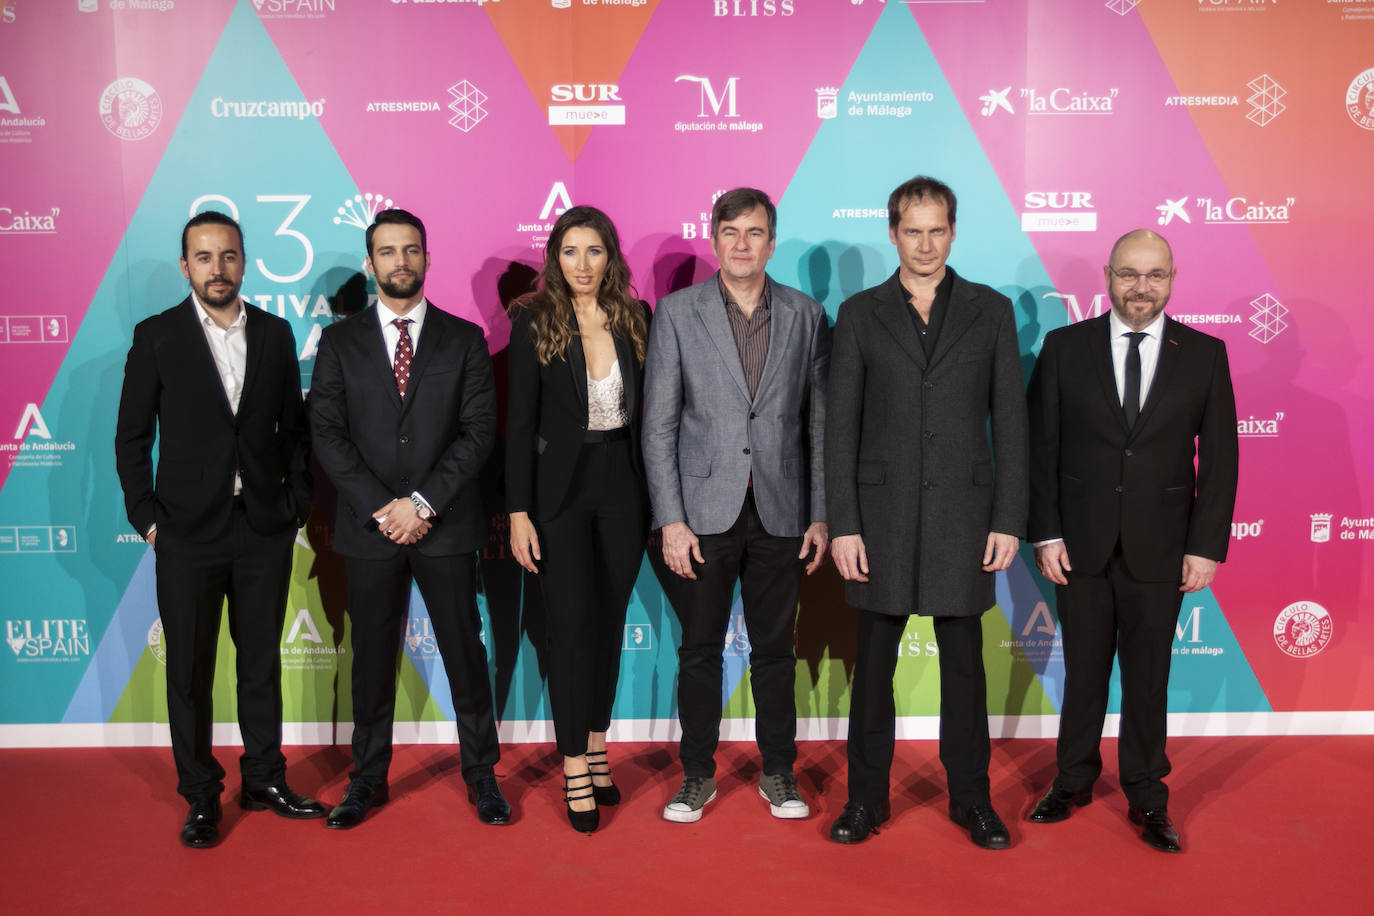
550 302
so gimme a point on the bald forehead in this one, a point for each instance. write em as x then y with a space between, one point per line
1142 244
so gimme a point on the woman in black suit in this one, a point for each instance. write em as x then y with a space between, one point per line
575 483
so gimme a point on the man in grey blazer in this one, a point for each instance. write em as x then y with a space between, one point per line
734 423
924 509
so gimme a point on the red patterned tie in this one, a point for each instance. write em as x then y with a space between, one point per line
404 352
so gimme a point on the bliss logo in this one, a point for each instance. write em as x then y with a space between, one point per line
584 114
1059 211
701 228
751 8
1076 312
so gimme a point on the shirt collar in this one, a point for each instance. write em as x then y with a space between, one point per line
1154 330
239 320
416 315
765 298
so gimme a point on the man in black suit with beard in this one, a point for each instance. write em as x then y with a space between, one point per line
1120 406
216 383
403 410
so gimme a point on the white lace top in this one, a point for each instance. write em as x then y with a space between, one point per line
606 400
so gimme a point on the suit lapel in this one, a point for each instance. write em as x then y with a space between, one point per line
577 364
1100 355
893 311
783 321
255 331
205 358
431 341
959 317
377 356
1170 351
711 311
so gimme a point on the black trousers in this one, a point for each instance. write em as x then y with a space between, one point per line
253 572
592 550
964 746
1112 613
769 574
378 599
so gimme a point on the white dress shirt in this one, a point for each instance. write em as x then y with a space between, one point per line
229 347
392 335
1149 353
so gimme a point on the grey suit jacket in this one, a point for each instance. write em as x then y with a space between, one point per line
703 435
908 460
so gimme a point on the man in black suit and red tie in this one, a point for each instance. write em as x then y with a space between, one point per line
1120 406
403 411
216 383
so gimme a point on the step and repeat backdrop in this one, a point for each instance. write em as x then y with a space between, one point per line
1242 130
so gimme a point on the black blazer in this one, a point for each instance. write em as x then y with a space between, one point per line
909 462
375 448
172 391
1094 481
547 418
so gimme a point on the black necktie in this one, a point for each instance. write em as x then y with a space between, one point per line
1132 400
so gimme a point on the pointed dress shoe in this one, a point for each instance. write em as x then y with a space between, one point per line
201 829
280 800
1156 828
492 807
858 821
1058 804
984 827
360 798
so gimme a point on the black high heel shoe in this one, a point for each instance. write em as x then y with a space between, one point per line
605 795
582 821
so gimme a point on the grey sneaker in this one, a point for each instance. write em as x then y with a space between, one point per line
685 808
780 789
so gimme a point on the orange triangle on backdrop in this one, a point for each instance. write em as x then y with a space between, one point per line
577 46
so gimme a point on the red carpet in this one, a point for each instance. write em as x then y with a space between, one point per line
1269 825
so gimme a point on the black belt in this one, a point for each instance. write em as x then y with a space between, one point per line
593 436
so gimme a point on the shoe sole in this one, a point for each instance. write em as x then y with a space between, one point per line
686 817
787 814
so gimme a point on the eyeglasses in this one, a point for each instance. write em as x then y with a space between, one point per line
1131 278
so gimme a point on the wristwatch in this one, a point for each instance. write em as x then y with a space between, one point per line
425 512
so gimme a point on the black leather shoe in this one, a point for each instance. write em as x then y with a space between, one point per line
858 821
1058 804
202 823
984 827
360 798
1156 828
606 796
492 807
282 801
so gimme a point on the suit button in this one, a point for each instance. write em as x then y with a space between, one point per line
746 451
925 485
1120 489
405 440
927 435
1129 453
405 481
753 416
927 384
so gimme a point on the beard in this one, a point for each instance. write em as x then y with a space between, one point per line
217 299
1139 309
402 288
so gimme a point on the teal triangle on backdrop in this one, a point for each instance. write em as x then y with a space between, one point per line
284 180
